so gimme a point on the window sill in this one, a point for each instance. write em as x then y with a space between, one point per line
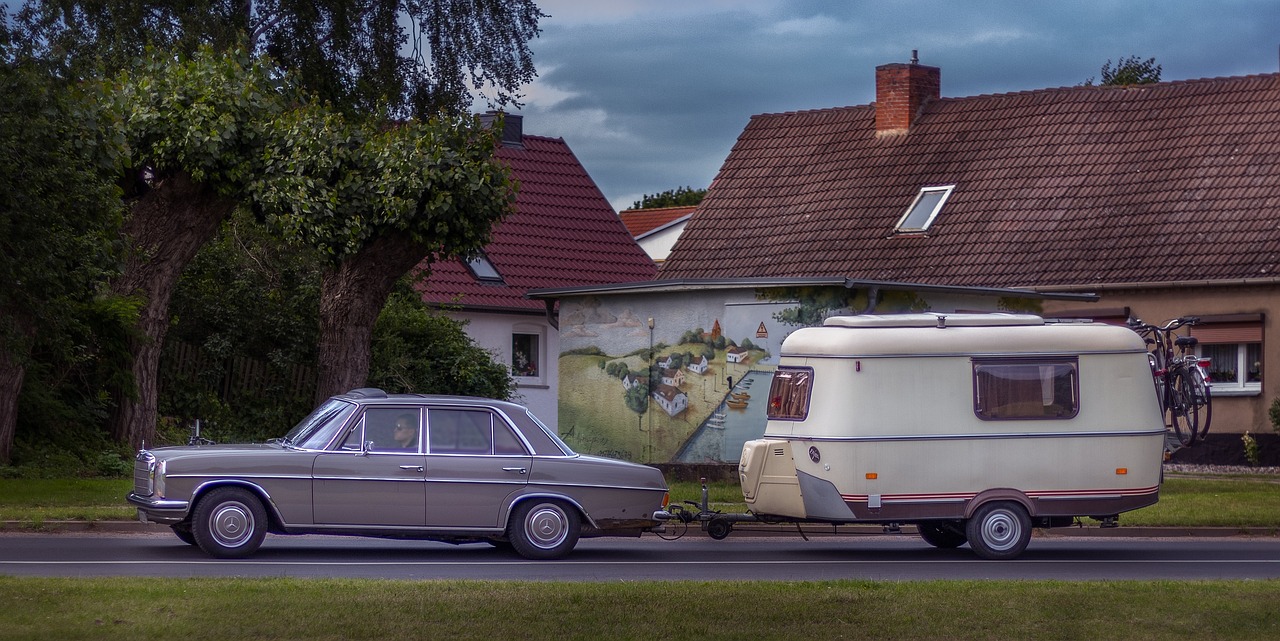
1217 392
531 384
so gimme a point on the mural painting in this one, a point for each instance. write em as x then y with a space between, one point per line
681 378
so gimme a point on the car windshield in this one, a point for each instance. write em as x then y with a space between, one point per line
320 426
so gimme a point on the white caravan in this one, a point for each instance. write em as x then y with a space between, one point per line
973 427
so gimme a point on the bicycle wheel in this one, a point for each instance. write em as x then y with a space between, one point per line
1181 416
1201 402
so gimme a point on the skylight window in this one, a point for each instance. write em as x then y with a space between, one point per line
483 269
924 209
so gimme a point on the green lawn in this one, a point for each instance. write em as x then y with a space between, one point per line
315 609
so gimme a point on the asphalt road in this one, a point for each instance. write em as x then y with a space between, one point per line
780 557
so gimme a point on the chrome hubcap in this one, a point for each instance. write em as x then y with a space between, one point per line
547 526
231 524
1001 531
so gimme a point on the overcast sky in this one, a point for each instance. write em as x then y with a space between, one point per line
652 94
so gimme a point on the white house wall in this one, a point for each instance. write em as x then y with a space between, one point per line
493 332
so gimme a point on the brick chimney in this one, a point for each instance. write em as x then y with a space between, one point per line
902 90
512 127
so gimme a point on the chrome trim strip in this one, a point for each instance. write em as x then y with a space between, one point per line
245 478
961 437
396 528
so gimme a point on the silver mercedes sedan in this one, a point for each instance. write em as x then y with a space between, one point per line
367 463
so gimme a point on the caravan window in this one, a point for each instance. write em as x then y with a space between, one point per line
1006 388
789 393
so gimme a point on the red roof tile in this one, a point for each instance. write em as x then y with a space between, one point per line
642 221
1175 181
563 233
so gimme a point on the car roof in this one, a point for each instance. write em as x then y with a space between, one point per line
375 396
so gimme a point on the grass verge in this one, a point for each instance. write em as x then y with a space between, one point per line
265 609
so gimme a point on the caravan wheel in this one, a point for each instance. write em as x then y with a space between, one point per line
999 530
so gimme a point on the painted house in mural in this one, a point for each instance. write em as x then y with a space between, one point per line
1075 189
564 233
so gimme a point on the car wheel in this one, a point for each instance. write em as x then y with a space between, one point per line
229 523
999 530
542 529
184 534
943 534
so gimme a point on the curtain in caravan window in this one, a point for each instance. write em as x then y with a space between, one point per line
1018 389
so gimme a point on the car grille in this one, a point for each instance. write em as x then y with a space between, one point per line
144 466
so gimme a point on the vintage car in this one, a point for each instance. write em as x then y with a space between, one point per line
367 463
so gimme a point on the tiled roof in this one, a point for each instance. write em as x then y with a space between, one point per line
642 221
563 233
1176 181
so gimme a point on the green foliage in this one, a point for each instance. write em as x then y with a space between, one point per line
1129 71
241 350
1273 413
418 350
356 54
337 185
1251 452
59 208
208 116
678 197
637 398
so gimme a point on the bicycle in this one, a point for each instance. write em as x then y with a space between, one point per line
1182 386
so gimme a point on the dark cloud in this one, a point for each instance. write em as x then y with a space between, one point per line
651 95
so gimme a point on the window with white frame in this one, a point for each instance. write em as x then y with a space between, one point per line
1233 346
923 209
526 352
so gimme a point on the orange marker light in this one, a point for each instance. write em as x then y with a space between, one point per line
871 476
1122 470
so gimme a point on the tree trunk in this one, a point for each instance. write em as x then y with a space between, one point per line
11 374
351 297
167 226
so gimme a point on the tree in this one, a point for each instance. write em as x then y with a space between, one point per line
1129 71
377 202
59 212
678 197
418 350
195 131
409 57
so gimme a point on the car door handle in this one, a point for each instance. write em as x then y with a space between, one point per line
520 470
416 468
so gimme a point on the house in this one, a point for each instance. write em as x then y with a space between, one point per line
670 399
735 354
564 233
629 381
1162 199
656 230
698 366
673 377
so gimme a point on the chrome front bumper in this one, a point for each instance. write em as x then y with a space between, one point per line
153 510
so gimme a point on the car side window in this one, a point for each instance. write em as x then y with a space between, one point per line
393 429
470 431
352 441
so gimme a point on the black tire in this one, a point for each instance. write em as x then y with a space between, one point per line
1181 418
1201 404
544 529
229 523
184 534
943 534
999 530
